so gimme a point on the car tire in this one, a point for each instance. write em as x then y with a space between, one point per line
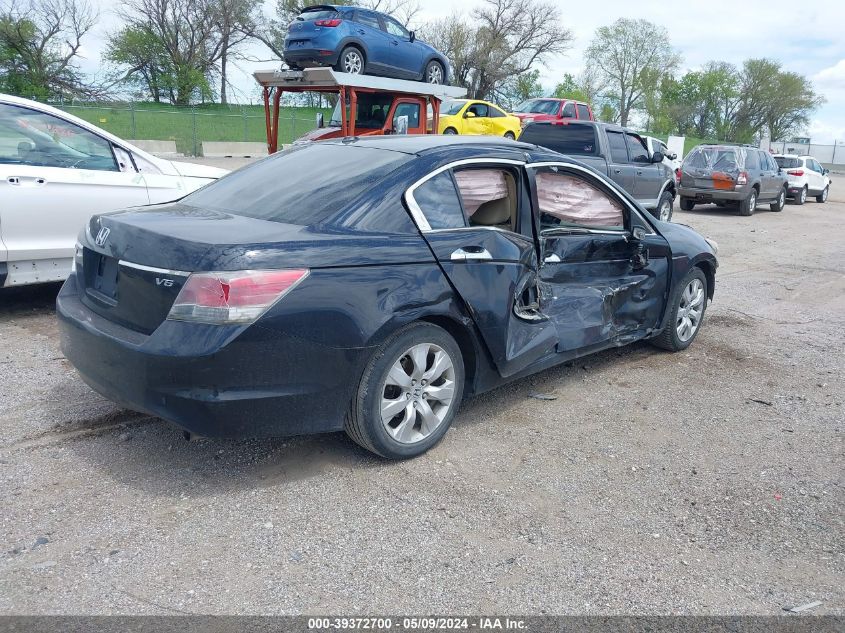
352 61
749 205
395 380
801 198
434 73
822 197
780 203
510 135
450 131
665 207
687 204
675 338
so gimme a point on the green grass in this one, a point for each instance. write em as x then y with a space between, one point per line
189 128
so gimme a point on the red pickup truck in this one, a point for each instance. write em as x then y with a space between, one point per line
551 109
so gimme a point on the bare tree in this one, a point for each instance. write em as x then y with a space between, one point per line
508 38
627 55
41 40
233 19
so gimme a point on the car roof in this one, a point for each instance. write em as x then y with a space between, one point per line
419 144
607 126
792 156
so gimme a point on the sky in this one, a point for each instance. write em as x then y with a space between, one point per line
806 37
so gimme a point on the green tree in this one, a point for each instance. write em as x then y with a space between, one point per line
39 47
519 88
145 62
628 55
570 88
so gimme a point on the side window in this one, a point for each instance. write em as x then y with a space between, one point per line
696 160
618 151
479 109
583 112
30 137
489 196
367 19
495 113
410 110
816 166
566 200
394 28
752 161
440 203
568 111
637 149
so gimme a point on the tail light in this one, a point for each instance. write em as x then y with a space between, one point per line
232 297
795 172
742 179
331 23
677 176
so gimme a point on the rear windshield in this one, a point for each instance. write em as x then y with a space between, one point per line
785 162
303 185
575 138
317 15
716 158
538 106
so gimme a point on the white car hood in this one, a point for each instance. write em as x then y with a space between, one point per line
194 170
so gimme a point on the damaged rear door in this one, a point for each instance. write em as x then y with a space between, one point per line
476 216
604 272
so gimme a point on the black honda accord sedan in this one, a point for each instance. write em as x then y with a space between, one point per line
369 285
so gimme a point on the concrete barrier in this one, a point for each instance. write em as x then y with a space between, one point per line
231 149
159 148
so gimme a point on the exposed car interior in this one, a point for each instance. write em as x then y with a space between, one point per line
566 200
489 197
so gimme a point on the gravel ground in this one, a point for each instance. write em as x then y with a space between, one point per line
705 482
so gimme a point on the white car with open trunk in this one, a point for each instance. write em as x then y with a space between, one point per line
56 171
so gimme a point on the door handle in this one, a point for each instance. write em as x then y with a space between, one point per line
34 182
471 253
394 43
361 32
617 171
639 172
554 258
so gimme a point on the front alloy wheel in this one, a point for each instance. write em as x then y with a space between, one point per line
409 393
686 312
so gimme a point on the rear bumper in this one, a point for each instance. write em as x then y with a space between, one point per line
311 56
214 381
703 195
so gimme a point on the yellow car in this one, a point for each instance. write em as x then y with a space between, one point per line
468 116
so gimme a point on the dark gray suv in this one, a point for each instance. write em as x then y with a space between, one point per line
732 175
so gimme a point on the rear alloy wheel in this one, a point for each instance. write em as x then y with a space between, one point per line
778 204
409 393
822 197
450 131
687 204
689 303
510 135
433 73
749 205
801 198
665 207
351 61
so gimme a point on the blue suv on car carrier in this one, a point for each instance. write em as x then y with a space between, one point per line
360 41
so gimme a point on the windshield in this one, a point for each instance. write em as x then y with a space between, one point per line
451 108
538 106
275 189
372 111
786 162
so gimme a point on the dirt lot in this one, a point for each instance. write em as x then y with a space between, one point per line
709 481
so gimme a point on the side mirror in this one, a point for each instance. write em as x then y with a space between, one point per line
470 115
825 172
657 157
321 121
638 234
673 156
413 36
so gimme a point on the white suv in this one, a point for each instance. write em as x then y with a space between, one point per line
56 171
806 177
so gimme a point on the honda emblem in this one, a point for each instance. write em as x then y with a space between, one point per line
102 236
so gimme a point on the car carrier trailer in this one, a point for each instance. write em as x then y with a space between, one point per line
382 97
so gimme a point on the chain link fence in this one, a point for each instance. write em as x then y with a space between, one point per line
188 127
